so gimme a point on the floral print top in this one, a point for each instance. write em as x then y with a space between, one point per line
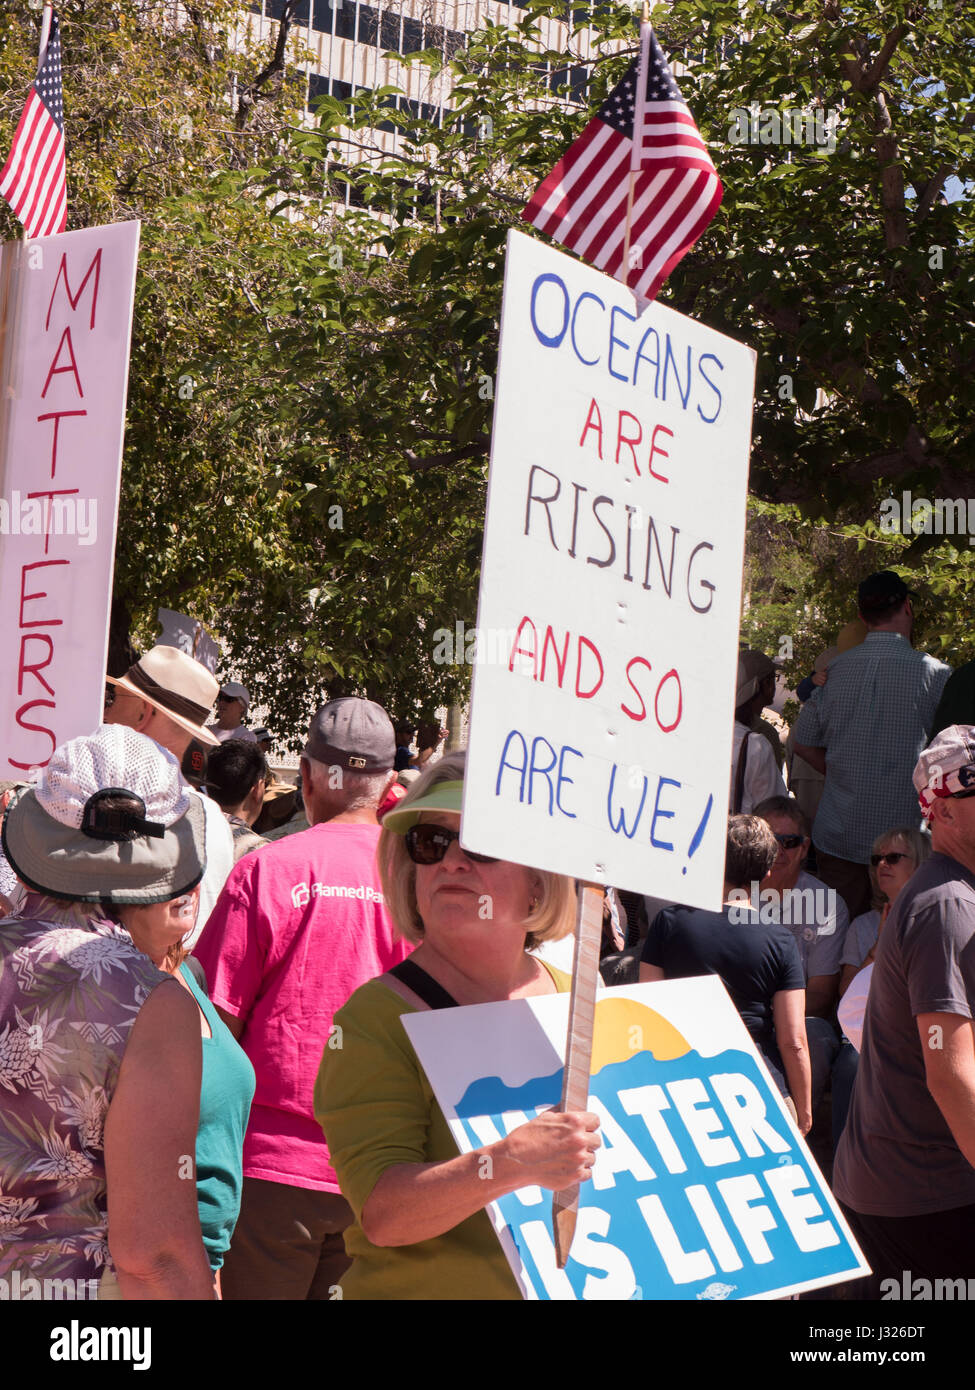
71 986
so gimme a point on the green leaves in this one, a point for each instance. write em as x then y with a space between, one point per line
335 438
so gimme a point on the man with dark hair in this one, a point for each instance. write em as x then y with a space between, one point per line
236 777
298 928
864 730
757 963
905 1166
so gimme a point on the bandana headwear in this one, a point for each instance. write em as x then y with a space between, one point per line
946 767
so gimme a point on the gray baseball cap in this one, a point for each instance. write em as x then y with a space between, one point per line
354 734
236 691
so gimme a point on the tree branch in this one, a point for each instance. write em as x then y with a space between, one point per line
469 451
936 183
249 96
891 177
874 75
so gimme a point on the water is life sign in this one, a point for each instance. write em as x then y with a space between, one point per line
702 1189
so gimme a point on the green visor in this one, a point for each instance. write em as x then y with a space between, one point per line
445 796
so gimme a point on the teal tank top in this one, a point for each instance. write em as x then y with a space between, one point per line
225 1101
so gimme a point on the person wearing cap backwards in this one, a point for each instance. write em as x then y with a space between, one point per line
100 1054
166 695
233 701
864 730
298 927
754 770
905 1165
421 1231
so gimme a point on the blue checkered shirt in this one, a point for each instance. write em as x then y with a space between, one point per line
873 717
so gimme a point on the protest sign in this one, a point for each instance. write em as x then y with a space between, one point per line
189 636
604 679
67 319
703 1188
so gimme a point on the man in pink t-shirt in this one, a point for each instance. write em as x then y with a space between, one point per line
297 929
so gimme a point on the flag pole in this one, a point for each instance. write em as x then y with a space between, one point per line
578 1046
636 152
45 35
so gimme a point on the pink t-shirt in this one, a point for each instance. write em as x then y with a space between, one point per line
297 929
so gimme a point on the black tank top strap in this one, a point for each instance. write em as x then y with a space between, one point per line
423 985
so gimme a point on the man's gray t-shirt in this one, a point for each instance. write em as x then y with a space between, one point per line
817 918
897 1156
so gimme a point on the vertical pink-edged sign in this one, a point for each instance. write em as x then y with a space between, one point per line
66 314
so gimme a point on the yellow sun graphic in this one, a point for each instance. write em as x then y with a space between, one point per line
624 1027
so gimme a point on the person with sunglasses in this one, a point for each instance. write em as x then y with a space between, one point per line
420 1229
905 1166
818 920
816 916
893 859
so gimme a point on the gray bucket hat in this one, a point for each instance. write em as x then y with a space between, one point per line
62 839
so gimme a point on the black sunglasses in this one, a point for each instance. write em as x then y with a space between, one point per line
427 844
789 841
894 857
962 796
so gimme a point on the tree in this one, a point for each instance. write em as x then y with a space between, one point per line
838 259
312 387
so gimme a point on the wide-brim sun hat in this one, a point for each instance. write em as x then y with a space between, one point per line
444 796
177 686
60 839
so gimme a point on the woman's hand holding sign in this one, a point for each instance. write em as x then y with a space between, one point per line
554 1150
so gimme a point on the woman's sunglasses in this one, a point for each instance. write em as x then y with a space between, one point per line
789 841
427 844
894 857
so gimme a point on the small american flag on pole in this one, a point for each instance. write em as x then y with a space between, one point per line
633 204
32 180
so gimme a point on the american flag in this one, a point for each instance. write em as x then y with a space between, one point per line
637 234
32 180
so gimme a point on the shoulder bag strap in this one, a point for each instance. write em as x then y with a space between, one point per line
423 985
740 774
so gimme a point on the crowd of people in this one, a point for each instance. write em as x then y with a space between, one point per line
208 1088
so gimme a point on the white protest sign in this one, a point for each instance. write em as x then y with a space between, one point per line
604 682
702 1189
189 636
67 315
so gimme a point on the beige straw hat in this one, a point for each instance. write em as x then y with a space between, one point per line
174 683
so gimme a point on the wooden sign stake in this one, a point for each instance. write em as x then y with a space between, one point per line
578 1046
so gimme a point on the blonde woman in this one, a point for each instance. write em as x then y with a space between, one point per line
893 859
420 1229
